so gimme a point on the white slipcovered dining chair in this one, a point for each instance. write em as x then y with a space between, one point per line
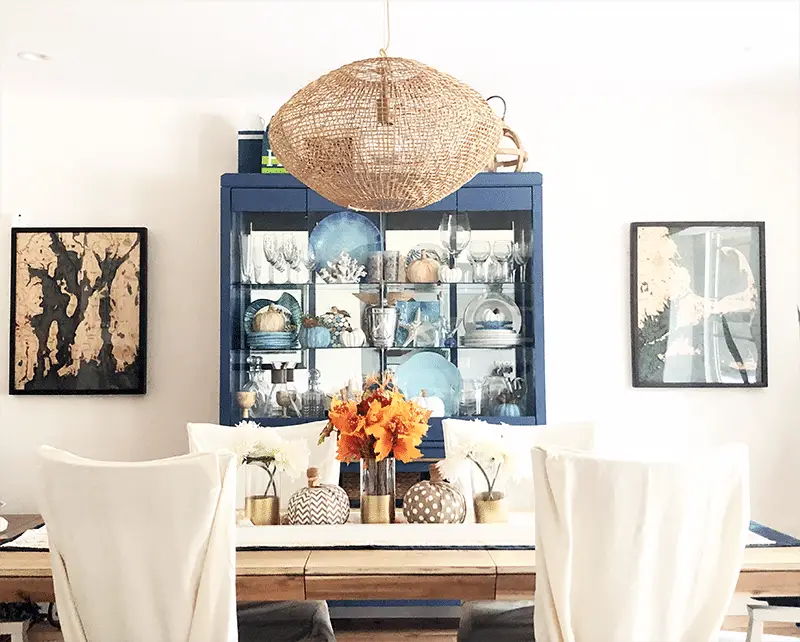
278 621
141 551
485 621
642 551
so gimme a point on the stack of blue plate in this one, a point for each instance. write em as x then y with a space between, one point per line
270 340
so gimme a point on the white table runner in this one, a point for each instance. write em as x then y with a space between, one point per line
517 533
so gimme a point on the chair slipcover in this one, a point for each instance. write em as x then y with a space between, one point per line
307 621
510 621
578 436
642 551
142 551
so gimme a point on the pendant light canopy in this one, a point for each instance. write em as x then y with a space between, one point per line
385 135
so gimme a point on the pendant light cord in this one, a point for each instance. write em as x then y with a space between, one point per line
388 28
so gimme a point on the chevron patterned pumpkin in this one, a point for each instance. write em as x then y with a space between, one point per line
318 504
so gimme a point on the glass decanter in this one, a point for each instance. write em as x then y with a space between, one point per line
313 399
283 398
257 383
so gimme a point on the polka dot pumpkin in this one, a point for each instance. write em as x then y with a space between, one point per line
434 502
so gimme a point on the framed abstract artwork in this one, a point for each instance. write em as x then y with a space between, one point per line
78 311
698 305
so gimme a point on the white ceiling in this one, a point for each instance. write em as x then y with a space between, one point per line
198 48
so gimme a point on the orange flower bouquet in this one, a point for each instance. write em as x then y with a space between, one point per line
375 429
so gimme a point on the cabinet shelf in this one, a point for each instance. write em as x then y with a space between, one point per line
396 350
404 285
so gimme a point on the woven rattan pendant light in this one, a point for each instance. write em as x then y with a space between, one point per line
385 134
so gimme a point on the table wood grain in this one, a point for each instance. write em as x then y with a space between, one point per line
399 562
389 574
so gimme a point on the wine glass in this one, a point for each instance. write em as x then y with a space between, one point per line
261 267
274 254
247 266
279 269
310 262
291 254
455 233
521 253
501 251
478 252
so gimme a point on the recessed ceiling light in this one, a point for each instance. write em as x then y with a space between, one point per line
33 56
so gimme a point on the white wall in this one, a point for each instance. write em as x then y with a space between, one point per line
90 162
607 160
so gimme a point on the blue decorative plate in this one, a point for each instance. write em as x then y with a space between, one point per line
348 231
286 302
271 340
430 371
431 250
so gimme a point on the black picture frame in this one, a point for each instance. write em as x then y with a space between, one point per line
72 283
682 339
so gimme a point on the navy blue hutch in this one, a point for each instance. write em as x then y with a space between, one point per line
499 206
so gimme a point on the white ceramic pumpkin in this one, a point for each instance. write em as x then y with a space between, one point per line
269 319
424 270
450 274
434 404
352 338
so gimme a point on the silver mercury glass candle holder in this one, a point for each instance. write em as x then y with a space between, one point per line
383 325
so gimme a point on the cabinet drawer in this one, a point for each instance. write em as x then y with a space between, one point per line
317 203
268 200
494 199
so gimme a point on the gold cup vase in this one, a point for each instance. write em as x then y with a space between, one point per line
262 496
377 491
263 510
490 509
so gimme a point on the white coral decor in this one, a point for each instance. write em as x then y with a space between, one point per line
345 269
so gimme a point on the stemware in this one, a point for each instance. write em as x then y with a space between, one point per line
479 251
270 248
274 255
455 233
521 253
501 251
247 265
309 260
261 267
291 254
280 272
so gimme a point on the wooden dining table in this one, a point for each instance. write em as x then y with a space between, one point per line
383 574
